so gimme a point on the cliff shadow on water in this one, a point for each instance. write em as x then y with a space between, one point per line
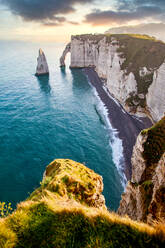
63 71
128 127
43 82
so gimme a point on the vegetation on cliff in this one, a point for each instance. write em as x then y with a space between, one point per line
144 197
68 211
138 52
141 55
154 147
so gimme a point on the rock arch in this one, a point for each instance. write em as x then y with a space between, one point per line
65 52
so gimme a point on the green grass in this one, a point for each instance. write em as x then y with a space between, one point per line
39 226
138 51
49 219
154 147
141 51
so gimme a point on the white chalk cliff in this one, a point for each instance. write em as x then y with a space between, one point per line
67 50
143 199
107 59
42 66
156 94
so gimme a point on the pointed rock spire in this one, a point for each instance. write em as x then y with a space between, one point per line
42 66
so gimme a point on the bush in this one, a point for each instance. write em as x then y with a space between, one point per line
5 209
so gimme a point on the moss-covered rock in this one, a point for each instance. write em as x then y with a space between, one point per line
154 147
72 181
68 215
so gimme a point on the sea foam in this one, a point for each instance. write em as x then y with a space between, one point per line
115 141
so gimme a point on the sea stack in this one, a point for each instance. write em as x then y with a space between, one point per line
42 66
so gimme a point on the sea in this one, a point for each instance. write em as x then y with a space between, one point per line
46 118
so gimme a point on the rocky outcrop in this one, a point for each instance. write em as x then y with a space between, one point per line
42 66
65 52
68 210
144 197
131 66
75 181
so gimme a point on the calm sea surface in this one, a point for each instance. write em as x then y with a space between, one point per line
48 118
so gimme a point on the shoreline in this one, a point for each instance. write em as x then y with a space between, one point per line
128 127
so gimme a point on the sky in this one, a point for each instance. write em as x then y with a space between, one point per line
57 20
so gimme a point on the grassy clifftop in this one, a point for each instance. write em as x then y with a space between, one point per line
141 55
68 211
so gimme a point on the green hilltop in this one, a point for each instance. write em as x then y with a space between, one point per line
68 211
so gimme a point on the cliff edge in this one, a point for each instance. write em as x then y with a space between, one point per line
68 210
132 66
144 198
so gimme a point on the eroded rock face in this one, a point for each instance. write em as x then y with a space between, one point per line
144 197
106 60
156 94
65 52
42 66
127 84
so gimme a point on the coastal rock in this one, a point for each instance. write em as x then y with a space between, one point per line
156 94
107 62
42 66
68 210
65 52
135 80
76 181
144 197
119 84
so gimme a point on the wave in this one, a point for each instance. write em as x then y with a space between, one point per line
115 142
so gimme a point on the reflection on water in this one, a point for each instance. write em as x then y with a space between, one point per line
43 81
46 118
63 71
79 81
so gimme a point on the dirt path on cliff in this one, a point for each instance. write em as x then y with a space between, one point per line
128 126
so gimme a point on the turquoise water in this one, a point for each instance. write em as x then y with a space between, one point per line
48 118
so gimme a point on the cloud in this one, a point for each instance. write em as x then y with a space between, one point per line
41 10
74 23
56 21
98 17
128 10
53 12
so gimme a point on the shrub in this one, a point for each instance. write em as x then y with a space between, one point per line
5 209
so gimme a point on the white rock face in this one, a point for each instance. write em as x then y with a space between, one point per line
118 83
141 202
42 66
144 71
67 50
156 94
104 57
107 62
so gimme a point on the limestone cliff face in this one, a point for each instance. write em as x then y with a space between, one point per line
132 68
42 66
144 198
156 94
67 50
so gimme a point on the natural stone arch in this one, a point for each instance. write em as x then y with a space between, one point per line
65 52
